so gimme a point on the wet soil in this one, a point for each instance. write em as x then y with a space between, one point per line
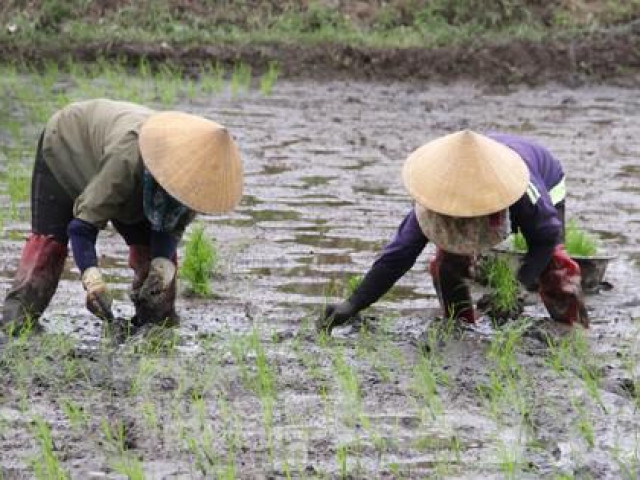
323 194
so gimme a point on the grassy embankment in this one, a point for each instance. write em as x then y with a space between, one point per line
69 25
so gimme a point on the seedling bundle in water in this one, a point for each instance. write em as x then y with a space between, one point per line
578 242
200 261
502 303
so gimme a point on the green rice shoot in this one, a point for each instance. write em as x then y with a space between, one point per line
201 258
578 242
519 242
504 284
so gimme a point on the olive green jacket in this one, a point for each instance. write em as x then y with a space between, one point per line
92 149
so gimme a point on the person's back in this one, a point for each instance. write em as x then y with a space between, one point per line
79 138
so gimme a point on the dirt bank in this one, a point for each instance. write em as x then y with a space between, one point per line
602 56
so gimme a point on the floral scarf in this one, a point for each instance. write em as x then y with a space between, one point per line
165 213
464 235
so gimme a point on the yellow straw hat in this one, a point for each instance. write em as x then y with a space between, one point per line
465 174
194 159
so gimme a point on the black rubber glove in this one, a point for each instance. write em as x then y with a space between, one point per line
335 315
533 264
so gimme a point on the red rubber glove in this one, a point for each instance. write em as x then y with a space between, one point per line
561 291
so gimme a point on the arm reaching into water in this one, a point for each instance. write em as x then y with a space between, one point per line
396 259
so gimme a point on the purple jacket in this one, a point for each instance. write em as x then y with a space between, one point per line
534 214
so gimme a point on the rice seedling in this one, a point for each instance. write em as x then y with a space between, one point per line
144 68
141 381
265 387
167 83
150 414
200 260
129 466
510 463
239 346
347 379
578 242
503 299
353 281
75 413
18 187
192 89
584 423
118 441
212 78
519 242
157 340
509 389
50 76
240 78
426 379
573 355
47 465
268 79
628 461
342 455
592 378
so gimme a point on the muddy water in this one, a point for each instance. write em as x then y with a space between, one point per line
323 194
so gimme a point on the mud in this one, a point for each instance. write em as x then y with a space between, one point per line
323 195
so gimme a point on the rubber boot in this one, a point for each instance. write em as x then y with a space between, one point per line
36 281
449 272
139 261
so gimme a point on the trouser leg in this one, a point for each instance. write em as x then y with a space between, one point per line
45 252
450 272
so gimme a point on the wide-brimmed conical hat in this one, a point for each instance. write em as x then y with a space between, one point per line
465 174
194 159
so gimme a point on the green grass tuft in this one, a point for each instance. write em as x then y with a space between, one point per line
201 258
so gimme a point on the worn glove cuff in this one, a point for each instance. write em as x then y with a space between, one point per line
92 280
164 268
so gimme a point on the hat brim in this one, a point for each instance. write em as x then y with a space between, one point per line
194 159
465 174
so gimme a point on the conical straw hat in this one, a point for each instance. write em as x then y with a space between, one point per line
465 174
194 159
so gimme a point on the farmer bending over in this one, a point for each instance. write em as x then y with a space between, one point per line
471 191
146 172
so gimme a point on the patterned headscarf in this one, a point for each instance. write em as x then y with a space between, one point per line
464 235
165 213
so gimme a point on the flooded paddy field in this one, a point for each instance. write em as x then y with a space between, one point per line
246 389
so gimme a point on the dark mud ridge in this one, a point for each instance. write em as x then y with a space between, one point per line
603 55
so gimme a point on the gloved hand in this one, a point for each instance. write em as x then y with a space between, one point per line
98 297
161 273
561 291
335 315
155 302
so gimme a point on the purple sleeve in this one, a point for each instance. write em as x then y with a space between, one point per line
396 259
541 226
401 253
83 237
